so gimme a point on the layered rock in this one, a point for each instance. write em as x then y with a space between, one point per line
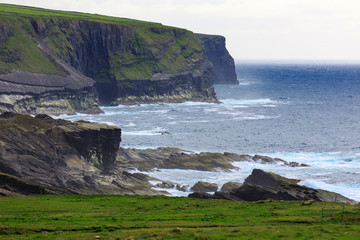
58 156
205 187
218 55
65 55
174 158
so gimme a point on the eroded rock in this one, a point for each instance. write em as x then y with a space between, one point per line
204 187
230 186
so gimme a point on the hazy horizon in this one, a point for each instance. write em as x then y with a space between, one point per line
254 29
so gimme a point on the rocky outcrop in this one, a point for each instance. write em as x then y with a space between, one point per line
60 156
218 55
204 187
261 185
230 186
268 179
174 158
34 93
65 56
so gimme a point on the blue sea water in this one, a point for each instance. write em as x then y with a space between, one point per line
304 113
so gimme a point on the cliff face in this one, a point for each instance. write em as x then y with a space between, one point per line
127 61
218 55
60 156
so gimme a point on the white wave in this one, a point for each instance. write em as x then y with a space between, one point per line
156 111
193 104
152 132
244 83
261 101
255 117
343 189
130 125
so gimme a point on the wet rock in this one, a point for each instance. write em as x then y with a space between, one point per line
182 188
261 185
175 158
166 184
204 187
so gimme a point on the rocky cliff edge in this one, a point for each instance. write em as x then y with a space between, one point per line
65 60
44 155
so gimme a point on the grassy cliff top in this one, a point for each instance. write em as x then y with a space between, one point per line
101 47
25 11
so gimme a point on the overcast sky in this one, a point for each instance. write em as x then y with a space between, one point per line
254 29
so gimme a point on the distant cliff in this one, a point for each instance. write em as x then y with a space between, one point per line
54 61
218 55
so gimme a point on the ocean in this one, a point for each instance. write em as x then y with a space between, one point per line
298 112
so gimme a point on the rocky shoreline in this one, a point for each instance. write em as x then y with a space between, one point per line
42 155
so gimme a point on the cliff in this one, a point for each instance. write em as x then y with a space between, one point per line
218 55
43 155
63 61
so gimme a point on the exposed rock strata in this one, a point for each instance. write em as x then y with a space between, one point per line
127 61
174 158
261 185
218 55
205 187
34 93
62 156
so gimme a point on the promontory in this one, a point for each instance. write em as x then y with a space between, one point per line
59 62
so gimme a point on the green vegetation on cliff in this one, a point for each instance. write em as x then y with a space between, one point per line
134 50
158 217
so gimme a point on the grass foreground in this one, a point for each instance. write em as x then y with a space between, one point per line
160 217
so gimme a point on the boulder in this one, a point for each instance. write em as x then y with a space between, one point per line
230 186
205 187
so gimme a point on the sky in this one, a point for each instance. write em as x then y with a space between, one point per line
254 29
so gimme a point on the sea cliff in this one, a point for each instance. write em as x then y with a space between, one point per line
76 61
218 55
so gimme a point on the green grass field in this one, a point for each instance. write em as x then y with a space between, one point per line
159 217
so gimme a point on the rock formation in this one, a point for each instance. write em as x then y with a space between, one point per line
230 186
261 185
60 62
174 158
204 187
218 55
43 155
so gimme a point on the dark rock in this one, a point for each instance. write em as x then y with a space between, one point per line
218 55
13 186
63 156
262 178
202 195
182 188
174 158
261 185
204 187
230 186
226 196
88 59
166 184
